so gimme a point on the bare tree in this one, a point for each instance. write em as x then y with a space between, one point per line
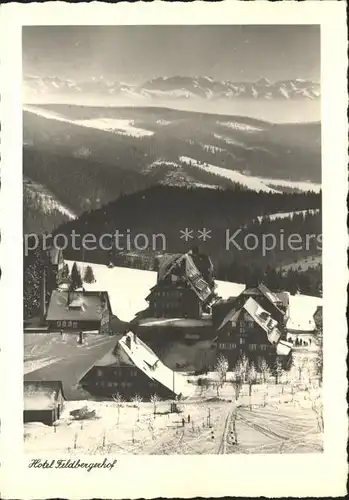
118 400
278 371
136 400
221 367
251 380
242 367
263 369
154 398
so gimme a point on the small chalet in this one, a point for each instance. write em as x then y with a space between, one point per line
132 368
74 311
43 401
251 330
181 291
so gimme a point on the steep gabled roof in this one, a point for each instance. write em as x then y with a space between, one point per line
273 298
259 315
263 319
190 274
142 357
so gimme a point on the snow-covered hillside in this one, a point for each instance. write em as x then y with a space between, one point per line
39 196
253 183
116 126
128 289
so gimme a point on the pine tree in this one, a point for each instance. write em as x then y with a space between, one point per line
88 275
76 281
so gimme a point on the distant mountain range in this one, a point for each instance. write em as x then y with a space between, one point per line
174 88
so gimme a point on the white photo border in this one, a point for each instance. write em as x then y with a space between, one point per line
179 476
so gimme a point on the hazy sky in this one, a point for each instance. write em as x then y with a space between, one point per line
136 53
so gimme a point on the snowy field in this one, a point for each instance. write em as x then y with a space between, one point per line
128 289
274 419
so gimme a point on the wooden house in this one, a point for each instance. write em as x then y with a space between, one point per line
132 368
250 330
276 304
180 291
43 401
75 311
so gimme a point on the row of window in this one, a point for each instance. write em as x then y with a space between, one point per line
252 347
170 304
123 384
169 294
67 324
119 372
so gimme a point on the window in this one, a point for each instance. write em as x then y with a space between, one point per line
99 373
69 324
64 324
253 347
59 323
232 346
222 346
75 324
263 347
242 327
242 341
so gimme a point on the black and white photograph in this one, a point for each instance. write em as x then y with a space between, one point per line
173 235
172 219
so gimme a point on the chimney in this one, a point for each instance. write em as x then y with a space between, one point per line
128 341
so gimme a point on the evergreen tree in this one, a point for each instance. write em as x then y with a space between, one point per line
88 275
76 281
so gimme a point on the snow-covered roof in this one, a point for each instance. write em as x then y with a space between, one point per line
184 265
283 348
263 319
77 305
131 350
41 395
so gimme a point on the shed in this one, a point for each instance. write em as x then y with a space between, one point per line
43 401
